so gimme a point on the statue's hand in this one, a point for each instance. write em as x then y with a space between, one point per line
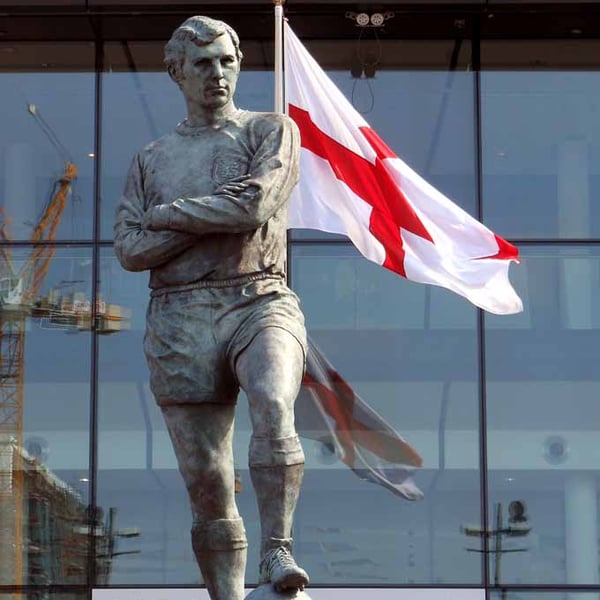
235 187
146 220
156 218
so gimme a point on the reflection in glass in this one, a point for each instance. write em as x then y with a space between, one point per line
44 414
46 123
541 137
137 473
410 352
543 416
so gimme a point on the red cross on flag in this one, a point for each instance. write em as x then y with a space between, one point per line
353 184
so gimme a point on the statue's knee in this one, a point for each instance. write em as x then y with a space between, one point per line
272 417
220 535
211 478
273 452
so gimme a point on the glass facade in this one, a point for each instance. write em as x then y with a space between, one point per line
503 410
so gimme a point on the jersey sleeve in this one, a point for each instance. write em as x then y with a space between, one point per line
136 247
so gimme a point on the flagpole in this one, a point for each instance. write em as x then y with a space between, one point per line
278 5
278 55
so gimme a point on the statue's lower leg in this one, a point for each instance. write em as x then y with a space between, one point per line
276 470
202 438
220 549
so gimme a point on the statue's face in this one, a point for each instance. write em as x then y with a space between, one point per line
210 73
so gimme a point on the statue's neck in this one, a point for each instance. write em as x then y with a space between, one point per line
199 116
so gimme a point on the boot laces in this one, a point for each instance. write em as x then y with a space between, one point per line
280 558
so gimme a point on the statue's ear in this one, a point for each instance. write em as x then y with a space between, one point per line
173 74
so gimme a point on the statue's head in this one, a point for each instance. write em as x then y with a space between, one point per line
203 57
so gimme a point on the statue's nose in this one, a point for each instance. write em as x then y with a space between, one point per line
217 70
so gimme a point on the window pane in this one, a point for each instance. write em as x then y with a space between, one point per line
138 474
44 415
58 81
128 425
541 145
543 419
141 103
410 352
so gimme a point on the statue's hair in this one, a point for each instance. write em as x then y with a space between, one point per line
200 31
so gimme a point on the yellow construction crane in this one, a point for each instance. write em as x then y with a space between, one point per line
18 290
19 299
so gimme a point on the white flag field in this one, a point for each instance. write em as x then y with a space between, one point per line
352 183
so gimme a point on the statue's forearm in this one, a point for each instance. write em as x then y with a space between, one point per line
140 249
214 214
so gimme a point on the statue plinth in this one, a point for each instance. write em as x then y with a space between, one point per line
268 592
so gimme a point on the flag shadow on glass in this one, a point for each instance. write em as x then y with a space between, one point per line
329 411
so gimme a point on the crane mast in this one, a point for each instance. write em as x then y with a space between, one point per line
18 291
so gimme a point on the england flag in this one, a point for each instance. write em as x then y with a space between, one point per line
352 183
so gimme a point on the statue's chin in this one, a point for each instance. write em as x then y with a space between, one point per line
217 99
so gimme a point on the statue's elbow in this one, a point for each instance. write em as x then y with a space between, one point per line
131 261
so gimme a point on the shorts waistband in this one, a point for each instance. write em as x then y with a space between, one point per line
212 283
